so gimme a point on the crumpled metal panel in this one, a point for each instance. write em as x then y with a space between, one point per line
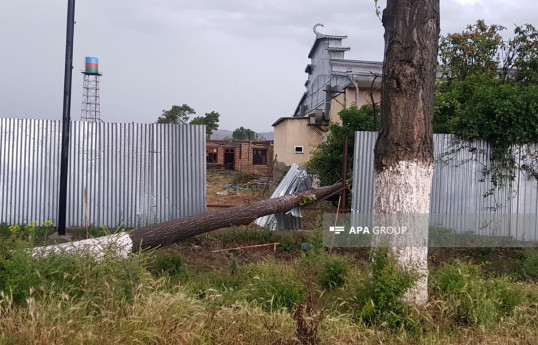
296 180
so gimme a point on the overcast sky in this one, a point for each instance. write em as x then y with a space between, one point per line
244 59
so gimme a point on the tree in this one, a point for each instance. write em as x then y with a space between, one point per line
177 114
494 102
403 156
521 53
327 158
174 231
472 51
242 133
210 120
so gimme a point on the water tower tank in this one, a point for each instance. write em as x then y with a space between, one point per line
92 65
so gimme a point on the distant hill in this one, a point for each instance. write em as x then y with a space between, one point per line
221 134
267 135
224 133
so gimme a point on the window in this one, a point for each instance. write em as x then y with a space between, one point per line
298 149
211 156
259 157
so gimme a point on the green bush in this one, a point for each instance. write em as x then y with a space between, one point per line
379 299
288 241
244 178
333 273
275 288
529 267
168 263
473 299
315 240
453 279
81 277
19 272
327 158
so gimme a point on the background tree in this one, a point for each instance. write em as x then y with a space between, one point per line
177 114
403 156
499 107
210 120
472 51
521 55
327 158
243 133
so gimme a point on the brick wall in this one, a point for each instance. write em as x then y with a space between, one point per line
247 161
249 157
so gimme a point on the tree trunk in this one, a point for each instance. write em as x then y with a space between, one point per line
404 148
180 229
174 231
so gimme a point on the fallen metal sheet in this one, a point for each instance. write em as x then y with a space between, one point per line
296 180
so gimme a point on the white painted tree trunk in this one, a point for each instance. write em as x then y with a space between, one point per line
117 245
402 193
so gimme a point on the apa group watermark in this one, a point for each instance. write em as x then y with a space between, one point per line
430 230
366 230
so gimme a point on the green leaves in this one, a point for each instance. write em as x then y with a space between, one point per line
243 133
474 50
210 120
328 156
177 114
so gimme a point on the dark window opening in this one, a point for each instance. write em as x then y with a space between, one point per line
211 157
259 157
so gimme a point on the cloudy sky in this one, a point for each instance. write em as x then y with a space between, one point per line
242 58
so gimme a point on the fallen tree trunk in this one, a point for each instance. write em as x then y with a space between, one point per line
174 231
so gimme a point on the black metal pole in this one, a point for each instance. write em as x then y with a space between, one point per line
344 177
62 205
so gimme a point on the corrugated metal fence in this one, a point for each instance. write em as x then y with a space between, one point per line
134 174
458 186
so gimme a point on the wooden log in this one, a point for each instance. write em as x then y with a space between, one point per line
174 231
163 234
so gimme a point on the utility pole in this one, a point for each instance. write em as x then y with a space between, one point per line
66 120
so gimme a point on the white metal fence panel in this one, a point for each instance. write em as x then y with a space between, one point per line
458 187
133 174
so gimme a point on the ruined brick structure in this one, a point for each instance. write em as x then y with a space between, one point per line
255 157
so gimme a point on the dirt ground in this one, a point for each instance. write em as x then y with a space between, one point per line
220 195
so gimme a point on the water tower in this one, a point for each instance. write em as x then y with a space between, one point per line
91 107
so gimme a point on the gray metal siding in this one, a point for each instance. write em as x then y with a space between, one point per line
458 186
134 174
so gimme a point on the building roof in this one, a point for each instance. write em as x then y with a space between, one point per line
237 143
289 118
319 38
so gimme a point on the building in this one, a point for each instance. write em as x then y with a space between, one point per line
333 83
255 157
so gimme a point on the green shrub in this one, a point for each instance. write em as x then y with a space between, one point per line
167 263
19 272
81 277
529 267
315 240
453 279
289 241
379 299
241 177
473 299
333 273
274 287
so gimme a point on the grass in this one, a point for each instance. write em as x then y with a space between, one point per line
168 297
